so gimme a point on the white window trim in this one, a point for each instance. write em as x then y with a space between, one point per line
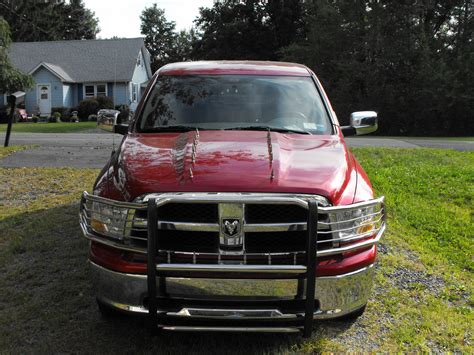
136 92
95 89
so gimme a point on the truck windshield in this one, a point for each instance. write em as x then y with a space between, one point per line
280 103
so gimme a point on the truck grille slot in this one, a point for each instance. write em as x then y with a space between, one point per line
276 242
199 242
264 213
186 212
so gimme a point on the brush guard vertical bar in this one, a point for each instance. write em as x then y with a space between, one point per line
311 250
151 264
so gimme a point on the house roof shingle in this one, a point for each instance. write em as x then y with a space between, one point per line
81 60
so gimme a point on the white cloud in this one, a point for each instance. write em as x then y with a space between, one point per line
122 17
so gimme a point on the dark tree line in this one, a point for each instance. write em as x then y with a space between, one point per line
48 20
411 61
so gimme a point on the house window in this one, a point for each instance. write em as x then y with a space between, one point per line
94 90
89 91
139 60
44 93
101 90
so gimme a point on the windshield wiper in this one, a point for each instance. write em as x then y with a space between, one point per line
176 128
266 128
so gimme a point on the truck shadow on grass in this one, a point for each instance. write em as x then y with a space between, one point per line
47 303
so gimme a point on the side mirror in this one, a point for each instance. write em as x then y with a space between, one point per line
361 122
108 120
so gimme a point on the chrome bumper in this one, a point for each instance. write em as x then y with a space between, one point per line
335 295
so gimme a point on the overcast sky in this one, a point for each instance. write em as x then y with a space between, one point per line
122 17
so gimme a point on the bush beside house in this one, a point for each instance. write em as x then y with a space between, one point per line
90 106
87 107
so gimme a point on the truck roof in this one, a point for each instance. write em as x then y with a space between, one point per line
235 67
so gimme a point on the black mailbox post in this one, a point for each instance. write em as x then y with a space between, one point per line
12 101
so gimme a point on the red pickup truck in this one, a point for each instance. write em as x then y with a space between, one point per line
233 204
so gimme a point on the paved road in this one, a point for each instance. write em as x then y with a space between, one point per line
92 150
79 150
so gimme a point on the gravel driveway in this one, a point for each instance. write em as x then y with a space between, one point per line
92 150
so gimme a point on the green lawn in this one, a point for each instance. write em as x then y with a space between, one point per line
61 127
422 301
469 139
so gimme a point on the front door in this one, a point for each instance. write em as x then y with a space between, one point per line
44 99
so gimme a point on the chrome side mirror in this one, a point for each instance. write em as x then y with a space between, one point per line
107 120
361 122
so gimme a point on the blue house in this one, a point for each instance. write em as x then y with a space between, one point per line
66 72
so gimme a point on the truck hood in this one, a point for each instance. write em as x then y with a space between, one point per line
233 161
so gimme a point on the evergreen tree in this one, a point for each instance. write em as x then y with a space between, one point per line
78 21
160 36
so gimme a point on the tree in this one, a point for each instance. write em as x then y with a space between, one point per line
159 35
412 61
183 45
251 29
78 22
234 30
11 79
49 20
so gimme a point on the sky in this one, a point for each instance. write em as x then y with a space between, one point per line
122 17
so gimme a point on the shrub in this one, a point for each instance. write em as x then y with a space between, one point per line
63 111
35 119
105 102
66 115
92 118
87 107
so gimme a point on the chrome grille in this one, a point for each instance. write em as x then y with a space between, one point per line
267 229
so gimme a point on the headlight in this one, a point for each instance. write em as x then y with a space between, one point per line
357 223
108 220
